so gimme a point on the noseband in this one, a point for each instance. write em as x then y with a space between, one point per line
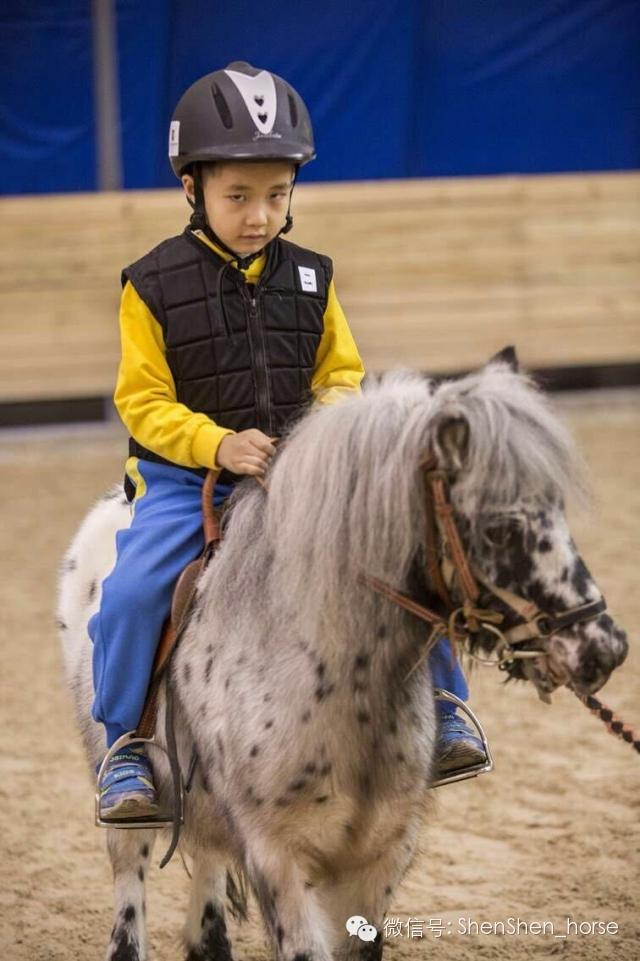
447 559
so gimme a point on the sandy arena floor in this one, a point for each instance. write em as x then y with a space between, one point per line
551 834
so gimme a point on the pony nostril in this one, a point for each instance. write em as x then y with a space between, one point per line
596 665
589 670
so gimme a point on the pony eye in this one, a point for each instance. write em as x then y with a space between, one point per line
497 536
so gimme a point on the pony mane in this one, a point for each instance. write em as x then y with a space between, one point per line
345 492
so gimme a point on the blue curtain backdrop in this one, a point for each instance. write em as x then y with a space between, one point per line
47 137
396 88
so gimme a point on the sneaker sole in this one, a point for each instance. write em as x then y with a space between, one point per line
460 756
130 808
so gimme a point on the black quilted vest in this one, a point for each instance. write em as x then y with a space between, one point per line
242 354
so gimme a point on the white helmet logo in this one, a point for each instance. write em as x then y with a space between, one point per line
259 95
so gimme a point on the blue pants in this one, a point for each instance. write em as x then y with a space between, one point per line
165 534
447 673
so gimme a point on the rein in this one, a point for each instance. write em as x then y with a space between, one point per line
614 724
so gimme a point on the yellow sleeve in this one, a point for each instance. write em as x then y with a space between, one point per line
338 369
145 394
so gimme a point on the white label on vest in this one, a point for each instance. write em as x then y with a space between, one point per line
308 279
174 138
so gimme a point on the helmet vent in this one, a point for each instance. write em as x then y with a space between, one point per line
222 106
293 110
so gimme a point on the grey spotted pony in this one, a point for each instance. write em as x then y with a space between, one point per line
293 682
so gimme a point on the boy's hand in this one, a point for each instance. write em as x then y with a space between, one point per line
247 452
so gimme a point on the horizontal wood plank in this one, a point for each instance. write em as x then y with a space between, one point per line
435 274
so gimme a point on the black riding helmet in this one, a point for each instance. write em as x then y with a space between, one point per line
239 113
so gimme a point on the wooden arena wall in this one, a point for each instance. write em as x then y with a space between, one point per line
434 274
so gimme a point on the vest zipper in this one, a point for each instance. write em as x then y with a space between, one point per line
259 350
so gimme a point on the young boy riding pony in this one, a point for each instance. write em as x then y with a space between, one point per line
229 332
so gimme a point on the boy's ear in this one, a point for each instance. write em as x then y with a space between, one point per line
187 183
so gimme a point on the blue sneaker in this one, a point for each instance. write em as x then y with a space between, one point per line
127 790
457 746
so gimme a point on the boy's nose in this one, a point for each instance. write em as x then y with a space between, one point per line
257 216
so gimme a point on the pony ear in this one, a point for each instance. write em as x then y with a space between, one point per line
452 438
507 356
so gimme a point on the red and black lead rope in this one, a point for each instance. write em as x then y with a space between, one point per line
614 724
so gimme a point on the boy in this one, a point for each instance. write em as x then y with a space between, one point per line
228 332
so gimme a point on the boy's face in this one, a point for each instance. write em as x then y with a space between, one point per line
246 202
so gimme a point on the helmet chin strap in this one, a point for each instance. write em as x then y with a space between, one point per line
198 220
288 220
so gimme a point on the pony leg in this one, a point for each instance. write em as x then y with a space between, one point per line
365 893
205 931
130 852
296 922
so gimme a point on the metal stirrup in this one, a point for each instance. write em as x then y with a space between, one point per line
475 769
159 820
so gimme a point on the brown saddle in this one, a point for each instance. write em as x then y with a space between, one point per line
182 604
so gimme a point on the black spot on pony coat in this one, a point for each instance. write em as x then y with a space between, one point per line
208 914
125 948
580 578
207 670
323 691
214 944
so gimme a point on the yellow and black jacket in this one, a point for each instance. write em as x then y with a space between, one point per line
208 349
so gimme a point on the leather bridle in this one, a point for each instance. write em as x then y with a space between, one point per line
446 560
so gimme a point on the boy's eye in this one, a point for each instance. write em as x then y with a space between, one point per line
279 195
236 197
